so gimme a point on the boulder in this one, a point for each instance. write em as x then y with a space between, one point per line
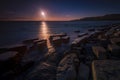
42 44
114 49
79 40
83 73
106 69
67 69
115 40
57 41
82 34
100 52
66 39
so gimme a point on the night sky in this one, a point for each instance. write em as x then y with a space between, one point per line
56 9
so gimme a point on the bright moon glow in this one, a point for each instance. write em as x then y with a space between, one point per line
43 14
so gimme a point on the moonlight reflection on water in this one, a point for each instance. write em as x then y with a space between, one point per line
45 35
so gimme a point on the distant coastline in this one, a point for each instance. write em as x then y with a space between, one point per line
108 17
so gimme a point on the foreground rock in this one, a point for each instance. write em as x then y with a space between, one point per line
67 69
100 52
106 70
114 50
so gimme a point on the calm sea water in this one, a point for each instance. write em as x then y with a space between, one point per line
16 32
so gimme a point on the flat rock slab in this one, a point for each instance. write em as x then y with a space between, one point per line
7 55
106 69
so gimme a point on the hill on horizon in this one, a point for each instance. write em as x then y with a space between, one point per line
114 17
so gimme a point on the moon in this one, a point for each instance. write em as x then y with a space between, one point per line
43 14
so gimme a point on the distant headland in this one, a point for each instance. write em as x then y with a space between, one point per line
108 17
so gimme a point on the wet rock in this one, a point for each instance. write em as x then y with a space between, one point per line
82 34
57 35
117 34
115 40
32 56
77 41
37 41
106 70
57 41
41 44
67 68
83 72
70 74
29 40
102 37
65 39
114 49
100 52
7 55
43 71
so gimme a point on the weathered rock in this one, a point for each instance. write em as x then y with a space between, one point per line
29 40
66 39
77 41
67 68
83 72
82 34
57 41
117 34
102 37
115 40
100 52
37 41
7 55
57 35
42 44
106 70
114 49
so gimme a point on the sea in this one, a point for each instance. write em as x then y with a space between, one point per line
13 32
45 65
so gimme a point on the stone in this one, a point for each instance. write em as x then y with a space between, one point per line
83 73
100 52
114 49
82 34
66 69
8 55
106 69
115 40
30 40
79 40
66 39
57 41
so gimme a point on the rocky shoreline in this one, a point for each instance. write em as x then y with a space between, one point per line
64 60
